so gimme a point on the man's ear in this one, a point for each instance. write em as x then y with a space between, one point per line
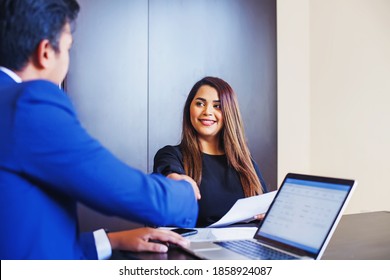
44 54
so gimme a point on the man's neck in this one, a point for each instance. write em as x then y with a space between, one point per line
30 72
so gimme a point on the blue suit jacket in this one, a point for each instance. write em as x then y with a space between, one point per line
48 163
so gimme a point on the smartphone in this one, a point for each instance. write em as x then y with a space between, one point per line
185 231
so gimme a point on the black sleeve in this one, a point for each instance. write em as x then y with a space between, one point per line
262 181
168 160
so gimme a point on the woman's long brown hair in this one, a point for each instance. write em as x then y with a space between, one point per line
232 138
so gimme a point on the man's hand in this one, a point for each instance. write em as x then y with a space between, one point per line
176 176
139 240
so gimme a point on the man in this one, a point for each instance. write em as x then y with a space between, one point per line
48 162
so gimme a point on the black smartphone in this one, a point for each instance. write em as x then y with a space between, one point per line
185 231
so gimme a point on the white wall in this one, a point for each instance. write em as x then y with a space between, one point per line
343 93
293 87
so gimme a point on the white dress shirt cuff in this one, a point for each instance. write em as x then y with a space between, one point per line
103 246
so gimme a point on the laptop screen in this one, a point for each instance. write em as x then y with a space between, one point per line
303 212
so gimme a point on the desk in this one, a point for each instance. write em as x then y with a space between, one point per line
364 236
361 236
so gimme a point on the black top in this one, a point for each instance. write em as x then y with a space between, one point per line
220 187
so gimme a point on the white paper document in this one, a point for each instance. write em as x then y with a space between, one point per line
245 209
222 234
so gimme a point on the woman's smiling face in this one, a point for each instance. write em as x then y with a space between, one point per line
205 113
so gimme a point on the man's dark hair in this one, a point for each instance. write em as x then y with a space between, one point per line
25 23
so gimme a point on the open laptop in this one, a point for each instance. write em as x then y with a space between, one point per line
298 224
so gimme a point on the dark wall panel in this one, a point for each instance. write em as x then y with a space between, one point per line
108 84
108 79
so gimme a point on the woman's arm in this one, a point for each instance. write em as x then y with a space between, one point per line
168 161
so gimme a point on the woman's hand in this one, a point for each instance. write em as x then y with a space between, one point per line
176 176
143 240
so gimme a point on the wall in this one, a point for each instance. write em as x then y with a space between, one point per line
348 80
293 87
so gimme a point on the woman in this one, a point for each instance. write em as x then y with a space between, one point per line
213 151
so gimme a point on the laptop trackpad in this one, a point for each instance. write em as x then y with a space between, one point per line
204 246
211 251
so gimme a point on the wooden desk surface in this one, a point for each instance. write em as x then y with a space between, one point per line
363 236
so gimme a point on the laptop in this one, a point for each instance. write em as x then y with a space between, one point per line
298 224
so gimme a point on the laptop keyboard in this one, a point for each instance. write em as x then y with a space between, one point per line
253 250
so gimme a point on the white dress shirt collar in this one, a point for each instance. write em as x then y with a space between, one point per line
12 74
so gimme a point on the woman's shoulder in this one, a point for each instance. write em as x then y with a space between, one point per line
169 150
255 165
167 160
260 175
